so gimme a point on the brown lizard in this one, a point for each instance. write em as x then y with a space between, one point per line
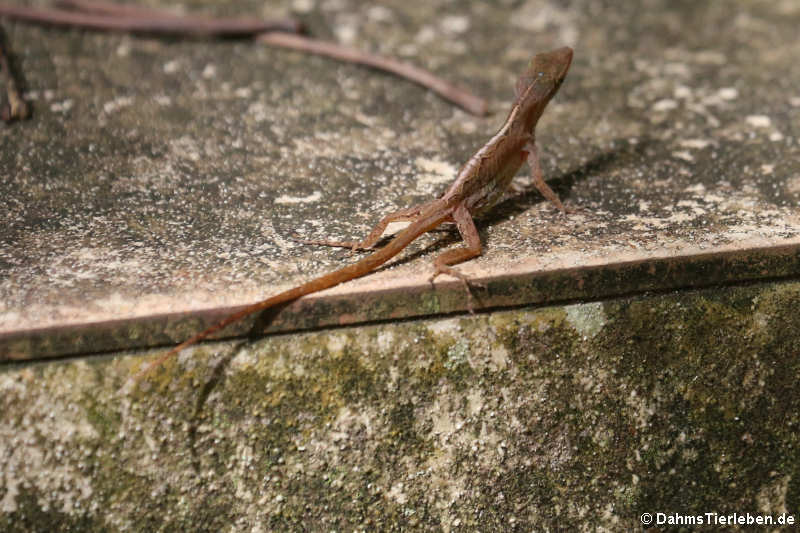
480 184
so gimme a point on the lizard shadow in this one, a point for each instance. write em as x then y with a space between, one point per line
216 378
515 204
510 206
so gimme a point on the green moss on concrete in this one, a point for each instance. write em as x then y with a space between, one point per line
589 413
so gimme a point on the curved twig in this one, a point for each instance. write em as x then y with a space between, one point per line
17 107
100 15
112 8
445 89
154 23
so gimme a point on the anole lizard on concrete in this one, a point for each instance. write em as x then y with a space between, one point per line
479 185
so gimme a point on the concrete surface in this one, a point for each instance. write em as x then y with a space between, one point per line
637 356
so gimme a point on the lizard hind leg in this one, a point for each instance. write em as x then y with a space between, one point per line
402 215
472 248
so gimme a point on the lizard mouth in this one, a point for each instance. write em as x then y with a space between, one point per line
563 57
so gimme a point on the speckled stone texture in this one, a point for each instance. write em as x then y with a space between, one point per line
587 414
638 356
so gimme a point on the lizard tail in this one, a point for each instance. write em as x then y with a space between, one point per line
425 223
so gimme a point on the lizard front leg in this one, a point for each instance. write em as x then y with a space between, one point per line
538 179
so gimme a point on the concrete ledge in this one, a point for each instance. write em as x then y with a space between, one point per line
583 414
639 356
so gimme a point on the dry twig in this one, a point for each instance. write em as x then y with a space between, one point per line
100 15
16 108
150 23
445 89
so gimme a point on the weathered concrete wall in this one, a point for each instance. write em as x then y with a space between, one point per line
581 416
160 178
157 183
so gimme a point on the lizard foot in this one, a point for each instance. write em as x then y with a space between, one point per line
466 282
572 209
354 246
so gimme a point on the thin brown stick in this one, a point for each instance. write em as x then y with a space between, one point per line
112 8
98 7
16 108
446 90
100 15
160 24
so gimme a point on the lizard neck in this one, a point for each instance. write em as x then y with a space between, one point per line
493 161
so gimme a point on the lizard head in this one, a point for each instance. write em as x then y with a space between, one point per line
541 81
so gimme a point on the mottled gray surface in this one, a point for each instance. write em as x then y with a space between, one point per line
166 176
583 416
